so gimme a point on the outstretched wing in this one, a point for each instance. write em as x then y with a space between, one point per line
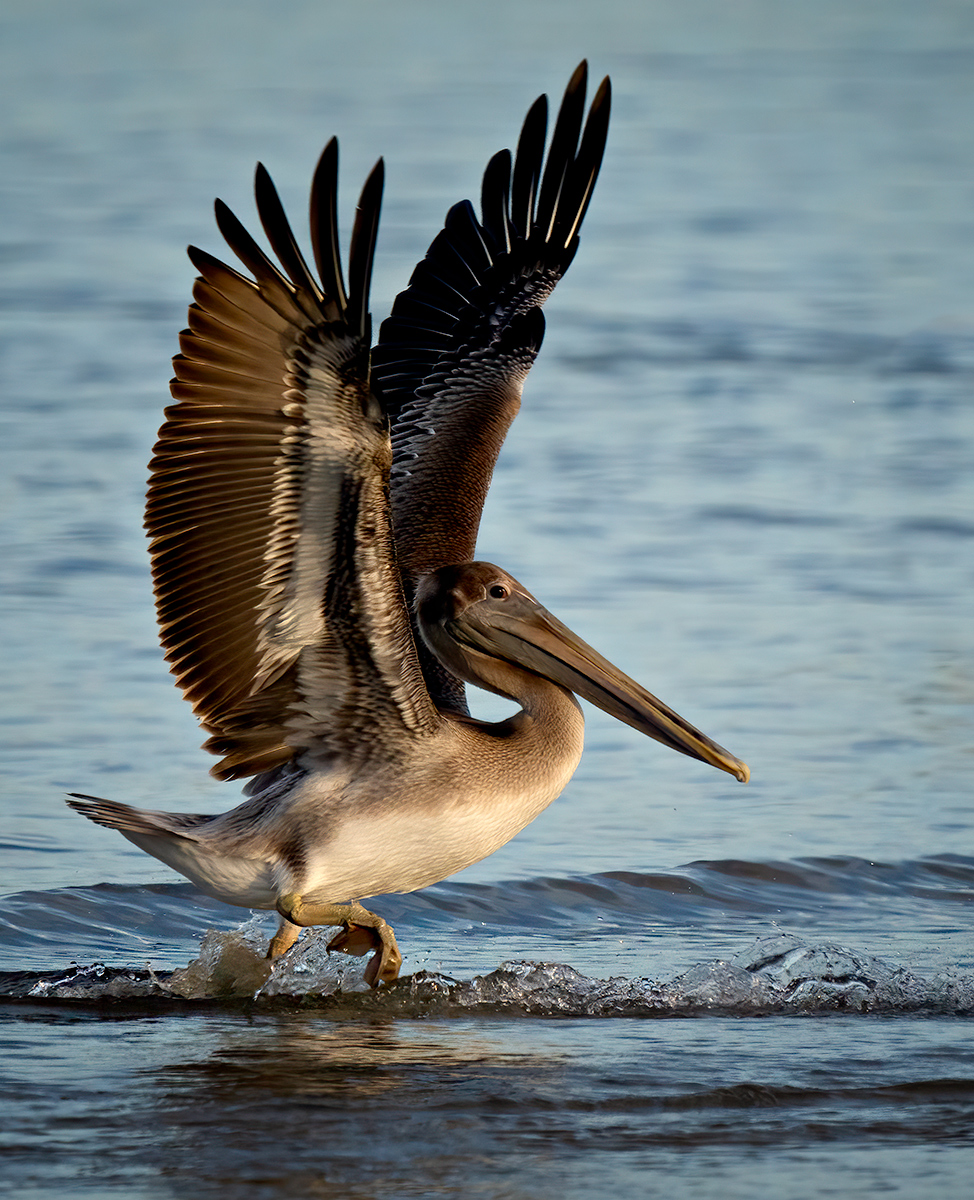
452 357
277 588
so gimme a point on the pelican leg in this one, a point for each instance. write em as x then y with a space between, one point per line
282 941
362 931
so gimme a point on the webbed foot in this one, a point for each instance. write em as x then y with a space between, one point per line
362 931
360 939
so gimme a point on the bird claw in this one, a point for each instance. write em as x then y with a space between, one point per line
384 965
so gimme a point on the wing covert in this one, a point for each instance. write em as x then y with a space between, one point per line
277 586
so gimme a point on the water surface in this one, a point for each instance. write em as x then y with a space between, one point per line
742 471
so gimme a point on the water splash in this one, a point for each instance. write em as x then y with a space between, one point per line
779 974
233 965
229 965
94 982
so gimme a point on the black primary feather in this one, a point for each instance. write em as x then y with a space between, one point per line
453 354
477 274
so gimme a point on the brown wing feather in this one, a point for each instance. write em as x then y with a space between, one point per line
277 586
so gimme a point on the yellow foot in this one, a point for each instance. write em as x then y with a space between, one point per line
362 931
360 939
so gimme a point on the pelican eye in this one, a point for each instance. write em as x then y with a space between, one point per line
499 592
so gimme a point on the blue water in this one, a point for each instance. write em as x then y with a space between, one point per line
742 471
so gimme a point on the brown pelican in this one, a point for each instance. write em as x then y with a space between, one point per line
313 510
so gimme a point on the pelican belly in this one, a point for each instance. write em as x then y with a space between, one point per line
431 823
400 850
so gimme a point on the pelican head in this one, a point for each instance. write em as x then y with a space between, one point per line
487 628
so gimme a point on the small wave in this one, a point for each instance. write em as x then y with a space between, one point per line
109 919
775 975
704 900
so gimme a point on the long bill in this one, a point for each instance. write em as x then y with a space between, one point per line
528 636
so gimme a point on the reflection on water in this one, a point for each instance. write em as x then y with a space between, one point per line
298 1106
